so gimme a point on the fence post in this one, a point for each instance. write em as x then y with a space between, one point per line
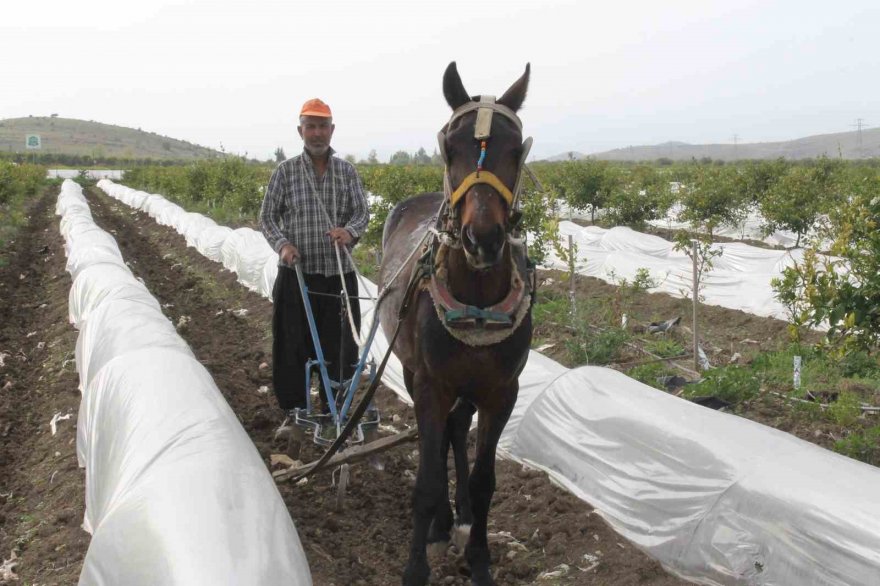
696 284
571 277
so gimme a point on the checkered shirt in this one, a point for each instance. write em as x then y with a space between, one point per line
300 209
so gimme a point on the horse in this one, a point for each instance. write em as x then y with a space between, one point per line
462 323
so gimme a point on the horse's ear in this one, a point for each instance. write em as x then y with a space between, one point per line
514 97
453 89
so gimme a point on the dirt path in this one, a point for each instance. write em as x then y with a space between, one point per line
41 486
367 544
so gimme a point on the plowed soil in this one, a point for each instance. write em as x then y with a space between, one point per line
536 528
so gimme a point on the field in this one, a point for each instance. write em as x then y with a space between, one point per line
41 503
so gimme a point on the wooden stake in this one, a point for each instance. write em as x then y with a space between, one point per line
354 453
694 253
571 284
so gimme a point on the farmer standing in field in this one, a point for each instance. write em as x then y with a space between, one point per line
314 202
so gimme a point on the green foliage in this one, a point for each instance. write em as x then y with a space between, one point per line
401 158
650 373
665 347
733 384
841 290
862 445
586 184
845 411
625 291
859 363
592 347
758 177
640 195
229 185
18 184
796 199
541 226
712 197
19 180
393 184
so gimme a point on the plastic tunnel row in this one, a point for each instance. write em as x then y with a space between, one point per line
176 492
715 498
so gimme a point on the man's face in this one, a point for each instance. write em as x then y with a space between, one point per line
316 132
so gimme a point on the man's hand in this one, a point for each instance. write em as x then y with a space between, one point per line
289 255
340 235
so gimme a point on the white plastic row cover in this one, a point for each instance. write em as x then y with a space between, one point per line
176 492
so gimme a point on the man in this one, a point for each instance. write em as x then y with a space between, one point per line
314 202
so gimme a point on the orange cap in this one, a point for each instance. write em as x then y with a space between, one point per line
315 107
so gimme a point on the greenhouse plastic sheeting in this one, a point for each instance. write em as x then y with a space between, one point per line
176 492
715 498
740 278
210 241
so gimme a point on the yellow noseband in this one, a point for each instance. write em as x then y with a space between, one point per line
475 178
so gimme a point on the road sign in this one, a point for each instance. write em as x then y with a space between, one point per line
32 141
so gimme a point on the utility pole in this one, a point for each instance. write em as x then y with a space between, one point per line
860 123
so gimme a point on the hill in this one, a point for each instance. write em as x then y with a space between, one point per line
80 137
842 144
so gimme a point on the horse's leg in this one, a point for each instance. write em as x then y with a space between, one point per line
438 533
432 406
457 426
482 485
460 422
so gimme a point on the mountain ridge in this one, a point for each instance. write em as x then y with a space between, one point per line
71 136
847 145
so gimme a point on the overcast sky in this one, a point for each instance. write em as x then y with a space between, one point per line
604 74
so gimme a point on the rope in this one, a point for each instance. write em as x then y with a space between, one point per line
354 333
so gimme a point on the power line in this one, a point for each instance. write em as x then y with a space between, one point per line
860 123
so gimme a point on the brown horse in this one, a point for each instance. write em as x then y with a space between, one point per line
465 336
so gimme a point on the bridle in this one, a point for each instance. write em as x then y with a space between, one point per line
477 326
486 108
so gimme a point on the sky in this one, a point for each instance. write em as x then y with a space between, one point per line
604 75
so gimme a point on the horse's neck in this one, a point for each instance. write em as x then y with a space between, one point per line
478 288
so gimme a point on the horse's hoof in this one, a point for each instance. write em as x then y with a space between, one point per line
482 578
416 574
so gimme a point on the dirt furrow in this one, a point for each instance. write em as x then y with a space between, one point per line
537 527
41 485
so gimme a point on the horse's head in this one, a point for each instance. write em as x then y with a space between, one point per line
484 152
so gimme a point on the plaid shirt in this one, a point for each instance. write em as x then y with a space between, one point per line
299 209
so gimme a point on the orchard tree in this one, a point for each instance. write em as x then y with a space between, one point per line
841 290
400 158
713 197
279 155
587 183
421 157
759 177
643 195
794 202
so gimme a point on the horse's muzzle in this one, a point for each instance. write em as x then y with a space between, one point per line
483 248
